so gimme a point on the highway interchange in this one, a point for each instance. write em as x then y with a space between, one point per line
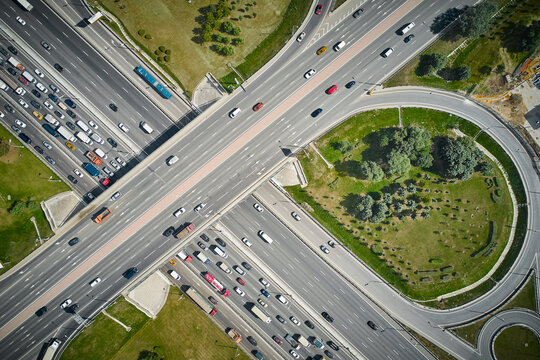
222 162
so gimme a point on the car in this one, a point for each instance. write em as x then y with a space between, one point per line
113 107
246 242
309 324
54 88
50 160
295 216
23 80
41 311
93 124
327 317
9 108
301 36
61 116
387 52
318 9
42 88
258 207
114 164
20 20
36 93
239 270
277 339
2 114
90 196
70 103
234 112
20 123
172 262
48 105
105 181
70 125
13 50
294 354
95 281
350 84
262 303
213 300
265 293
357 13
204 237
221 242
264 283
53 98
25 138
408 38
20 91
241 281
309 73
325 249
66 303
70 146
179 212
73 241
239 291
123 127
115 196
16 129
77 172
246 265
113 144
321 50
71 114
11 70
108 171
372 325
202 246
169 231
39 73
329 354
39 150
199 207
72 179
331 89
58 67
35 104
3 51
294 321
73 308
47 47
37 114
280 319
332 345
252 341
331 244
282 299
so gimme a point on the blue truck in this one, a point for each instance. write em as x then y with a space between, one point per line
91 169
50 130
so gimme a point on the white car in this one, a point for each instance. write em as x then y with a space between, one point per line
309 73
42 88
263 304
23 103
114 164
39 73
123 127
295 321
246 241
175 275
95 282
2 114
47 145
179 212
300 37
258 207
282 299
294 354
239 270
20 123
120 161
115 196
239 291
66 303
48 105
21 21
325 249
78 173
93 124
199 207
108 171
295 216
265 283
20 91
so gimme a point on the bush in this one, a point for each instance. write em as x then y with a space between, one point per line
426 279
141 32
161 48
498 192
237 41
485 168
32 205
17 208
376 249
168 51
148 36
226 40
436 261
236 31
167 58
447 268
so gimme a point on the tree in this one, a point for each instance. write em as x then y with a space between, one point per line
423 159
485 168
237 41
476 21
228 50
236 31
379 210
226 40
430 64
363 207
345 146
206 37
411 188
17 208
370 170
500 69
227 27
461 72
459 157
398 164
387 198
402 192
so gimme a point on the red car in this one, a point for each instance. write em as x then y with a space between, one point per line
241 281
105 181
331 89
258 106
276 339
318 9
23 80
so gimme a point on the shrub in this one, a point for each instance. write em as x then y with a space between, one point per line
141 32
237 41
32 205
167 58
236 31
226 40
496 181
445 277
161 48
168 51
447 268
148 36
436 261
426 279
157 52
376 249
17 208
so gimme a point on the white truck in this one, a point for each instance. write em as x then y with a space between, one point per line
203 258
261 314
83 137
51 349
3 86
66 134
29 77
25 4
16 63
302 340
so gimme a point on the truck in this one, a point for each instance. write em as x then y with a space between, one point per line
15 63
91 169
261 314
219 251
184 256
66 134
5 78
51 349
50 130
234 335
3 86
94 18
186 230
93 158
102 215
83 137
203 258
25 4
294 343
216 284
201 301
302 340
128 274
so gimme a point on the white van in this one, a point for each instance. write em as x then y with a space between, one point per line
175 275
3 86
97 138
84 138
100 153
144 125
51 120
171 160
83 126
339 45
387 52
219 251
29 77
234 112
282 299
265 237
403 30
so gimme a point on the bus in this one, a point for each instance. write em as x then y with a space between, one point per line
102 215
216 284
261 314
150 79
201 301
94 19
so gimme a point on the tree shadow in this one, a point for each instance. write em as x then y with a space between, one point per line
443 20
348 168
349 203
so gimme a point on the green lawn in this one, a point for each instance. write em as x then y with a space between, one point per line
459 222
181 331
517 342
23 177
